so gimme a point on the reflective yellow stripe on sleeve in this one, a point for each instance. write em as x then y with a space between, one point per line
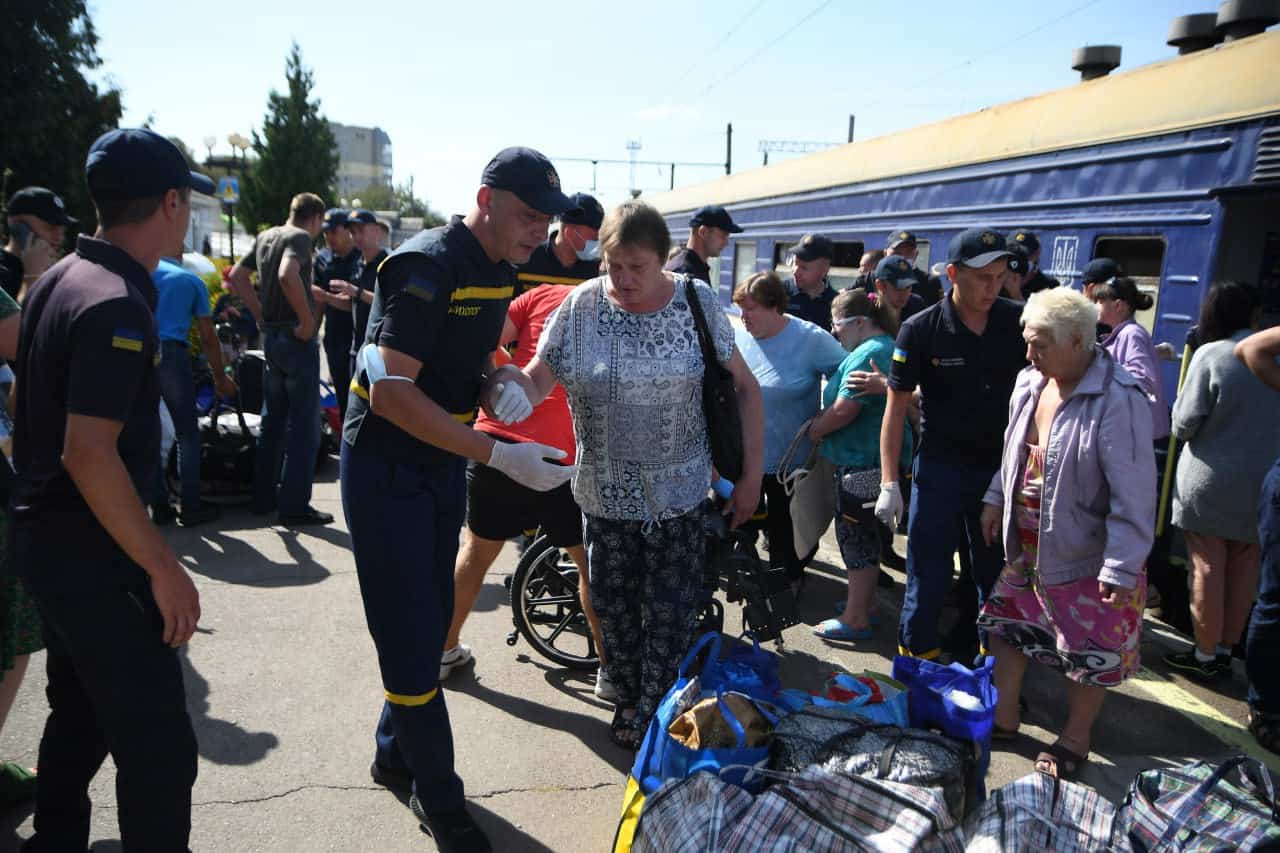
481 292
460 417
412 700
548 279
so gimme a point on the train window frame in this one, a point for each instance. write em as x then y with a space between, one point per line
847 256
1147 283
922 255
739 258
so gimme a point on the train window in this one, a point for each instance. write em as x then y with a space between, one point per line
744 260
847 253
1142 259
922 255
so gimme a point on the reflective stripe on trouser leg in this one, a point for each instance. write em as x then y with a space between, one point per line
404 521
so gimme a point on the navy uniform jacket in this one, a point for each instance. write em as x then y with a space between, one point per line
337 322
1037 283
88 346
688 261
442 301
543 267
817 310
965 379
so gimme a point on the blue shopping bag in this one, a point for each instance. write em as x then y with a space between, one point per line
956 700
743 669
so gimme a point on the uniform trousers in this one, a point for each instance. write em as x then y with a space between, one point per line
405 519
946 503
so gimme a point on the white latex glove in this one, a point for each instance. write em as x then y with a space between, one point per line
889 505
526 463
510 403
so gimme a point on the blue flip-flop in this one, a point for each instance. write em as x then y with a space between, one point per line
834 629
874 618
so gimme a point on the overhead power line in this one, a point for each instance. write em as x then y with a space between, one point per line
753 57
705 54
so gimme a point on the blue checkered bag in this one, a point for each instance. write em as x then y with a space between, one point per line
1198 808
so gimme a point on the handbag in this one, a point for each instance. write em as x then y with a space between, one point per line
719 398
1199 807
812 487
1039 812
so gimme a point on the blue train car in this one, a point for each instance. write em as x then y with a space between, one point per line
1173 169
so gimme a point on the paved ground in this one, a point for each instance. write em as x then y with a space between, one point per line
284 690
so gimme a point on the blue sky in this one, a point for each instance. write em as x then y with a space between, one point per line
453 83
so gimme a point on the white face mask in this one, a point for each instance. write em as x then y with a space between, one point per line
589 252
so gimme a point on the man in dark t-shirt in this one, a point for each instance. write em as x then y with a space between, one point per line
709 231
964 354
286 311
115 601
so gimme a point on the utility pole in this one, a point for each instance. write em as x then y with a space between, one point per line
728 149
633 146
851 117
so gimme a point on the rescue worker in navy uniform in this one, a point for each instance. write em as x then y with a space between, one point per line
709 231
1034 280
438 310
37 227
338 264
903 243
811 293
571 255
115 601
964 354
359 290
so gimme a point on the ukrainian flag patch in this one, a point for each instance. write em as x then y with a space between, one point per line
900 355
127 339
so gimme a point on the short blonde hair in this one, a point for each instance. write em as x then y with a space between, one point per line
765 289
1063 314
635 224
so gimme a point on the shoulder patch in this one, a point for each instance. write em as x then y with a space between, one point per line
127 339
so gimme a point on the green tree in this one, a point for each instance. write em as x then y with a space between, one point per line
400 199
296 151
52 112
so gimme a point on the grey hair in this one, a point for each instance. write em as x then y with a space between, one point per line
1063 314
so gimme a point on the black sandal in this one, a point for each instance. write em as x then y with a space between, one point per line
1265 729
624 731
1061 762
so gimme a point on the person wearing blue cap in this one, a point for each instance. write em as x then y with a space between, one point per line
1033 278
964 354
904 244
287 313
367 234
709 230
811 294
439 306
338 264
37 226
116 602
571 254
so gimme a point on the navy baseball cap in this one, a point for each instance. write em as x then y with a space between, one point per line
896 270
333 217
813 246
715 216
1100 269
531 177
1019 258
588 212
134 163
361 216
977 247
1027 239
897 238
41 203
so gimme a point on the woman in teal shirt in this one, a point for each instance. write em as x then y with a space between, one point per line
849 429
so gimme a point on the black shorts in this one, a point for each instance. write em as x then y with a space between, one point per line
499 508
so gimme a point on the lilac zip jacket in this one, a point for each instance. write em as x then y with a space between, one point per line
1098 504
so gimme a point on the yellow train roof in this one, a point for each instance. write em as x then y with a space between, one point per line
1230 82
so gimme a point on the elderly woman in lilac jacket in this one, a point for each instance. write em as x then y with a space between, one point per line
1074 503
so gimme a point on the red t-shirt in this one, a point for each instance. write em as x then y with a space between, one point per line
550 422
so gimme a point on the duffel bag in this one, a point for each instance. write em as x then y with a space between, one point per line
841 742
1200 808
1039 812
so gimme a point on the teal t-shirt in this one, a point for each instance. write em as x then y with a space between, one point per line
857 445
789 367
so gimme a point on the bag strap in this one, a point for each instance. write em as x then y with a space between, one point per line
1197 799
739 733
700 323
709 639
787 477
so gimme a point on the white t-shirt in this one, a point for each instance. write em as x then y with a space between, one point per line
635 390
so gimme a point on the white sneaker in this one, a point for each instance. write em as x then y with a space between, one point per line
454 658
605 691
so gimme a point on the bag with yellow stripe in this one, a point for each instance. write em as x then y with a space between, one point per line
632 804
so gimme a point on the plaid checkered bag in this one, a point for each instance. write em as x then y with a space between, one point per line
1039 812
813 810
1199 808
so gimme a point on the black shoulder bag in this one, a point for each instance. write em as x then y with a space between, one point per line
719 398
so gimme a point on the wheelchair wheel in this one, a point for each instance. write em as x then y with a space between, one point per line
546 609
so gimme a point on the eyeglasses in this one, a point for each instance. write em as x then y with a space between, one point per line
844 321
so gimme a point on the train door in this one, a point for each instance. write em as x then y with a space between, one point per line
1249 247
1142 259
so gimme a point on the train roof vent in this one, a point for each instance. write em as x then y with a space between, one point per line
1190 33
1239 19
1095 61
1266 166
